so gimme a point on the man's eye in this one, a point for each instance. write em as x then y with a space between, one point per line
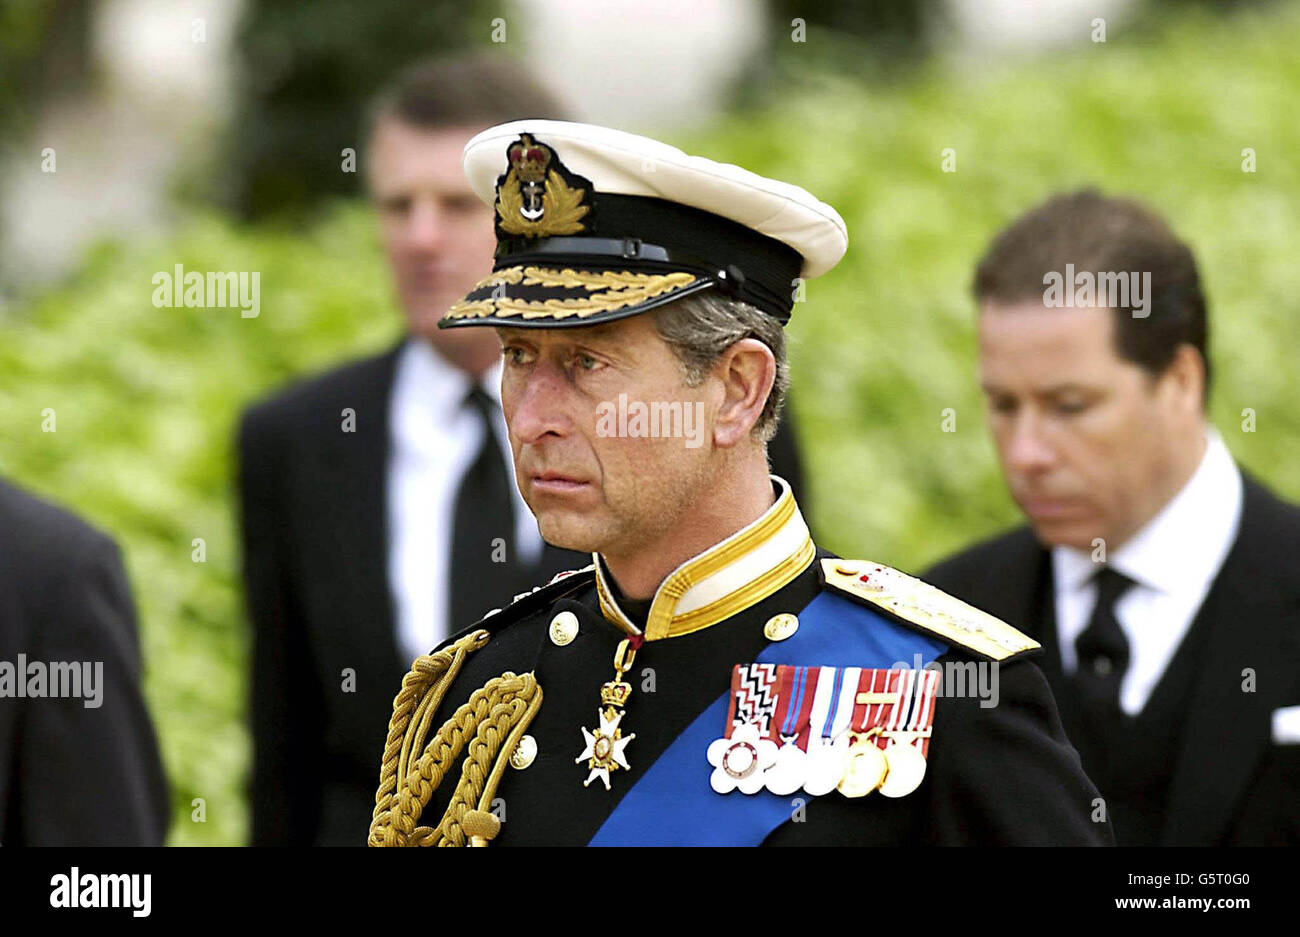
586 362
514 354
1002 405
461 205
1071 407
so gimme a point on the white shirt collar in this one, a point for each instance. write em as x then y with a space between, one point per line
1204 512
432 389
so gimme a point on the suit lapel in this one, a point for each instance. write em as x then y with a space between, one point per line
1019 591
1017 587
1227 727
1049 636
1032 601
354 467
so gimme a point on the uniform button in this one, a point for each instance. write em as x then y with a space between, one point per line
780 627
564 628
1102 666
524 753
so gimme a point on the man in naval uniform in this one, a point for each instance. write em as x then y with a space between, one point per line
713 678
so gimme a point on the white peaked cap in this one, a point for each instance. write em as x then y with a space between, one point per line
595 224
620 163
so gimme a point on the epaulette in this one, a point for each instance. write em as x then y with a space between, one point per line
525 603
925 608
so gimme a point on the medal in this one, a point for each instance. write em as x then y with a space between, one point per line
740 761
825 764
604 751
746 751
866 766
906 769
828 739
787 775
906 760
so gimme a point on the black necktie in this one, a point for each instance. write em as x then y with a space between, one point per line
1103 657
484 568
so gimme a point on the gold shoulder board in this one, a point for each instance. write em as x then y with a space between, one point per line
925 607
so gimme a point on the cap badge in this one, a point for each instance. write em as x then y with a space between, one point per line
538 197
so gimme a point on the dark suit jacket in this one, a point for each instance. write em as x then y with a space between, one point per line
315 565
72 775
1230 784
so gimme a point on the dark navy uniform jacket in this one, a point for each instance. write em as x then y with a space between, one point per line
1001 774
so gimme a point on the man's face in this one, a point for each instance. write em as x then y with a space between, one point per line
1089 443
592 491
436 232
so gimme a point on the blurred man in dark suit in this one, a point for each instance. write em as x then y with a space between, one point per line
79 761
366 543
1159 577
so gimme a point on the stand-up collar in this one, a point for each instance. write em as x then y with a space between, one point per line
725 579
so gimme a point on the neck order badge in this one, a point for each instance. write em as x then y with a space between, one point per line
604 750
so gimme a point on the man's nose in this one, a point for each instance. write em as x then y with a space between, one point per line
538 406
426 226
1027 449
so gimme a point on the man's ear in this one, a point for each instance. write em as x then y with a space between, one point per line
1191 371
747 371
1185 377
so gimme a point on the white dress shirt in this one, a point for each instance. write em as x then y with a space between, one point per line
1172 561
434 438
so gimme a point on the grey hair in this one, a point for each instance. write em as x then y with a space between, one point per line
700 327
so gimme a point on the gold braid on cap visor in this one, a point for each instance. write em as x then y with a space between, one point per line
607 290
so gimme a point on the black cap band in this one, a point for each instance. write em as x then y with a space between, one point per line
648 234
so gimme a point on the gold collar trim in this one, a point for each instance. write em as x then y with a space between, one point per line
725 579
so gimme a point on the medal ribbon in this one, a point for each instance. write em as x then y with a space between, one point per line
869 715
753 697
922 717
792 682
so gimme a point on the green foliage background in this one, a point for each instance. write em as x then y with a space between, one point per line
306 72
146 399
